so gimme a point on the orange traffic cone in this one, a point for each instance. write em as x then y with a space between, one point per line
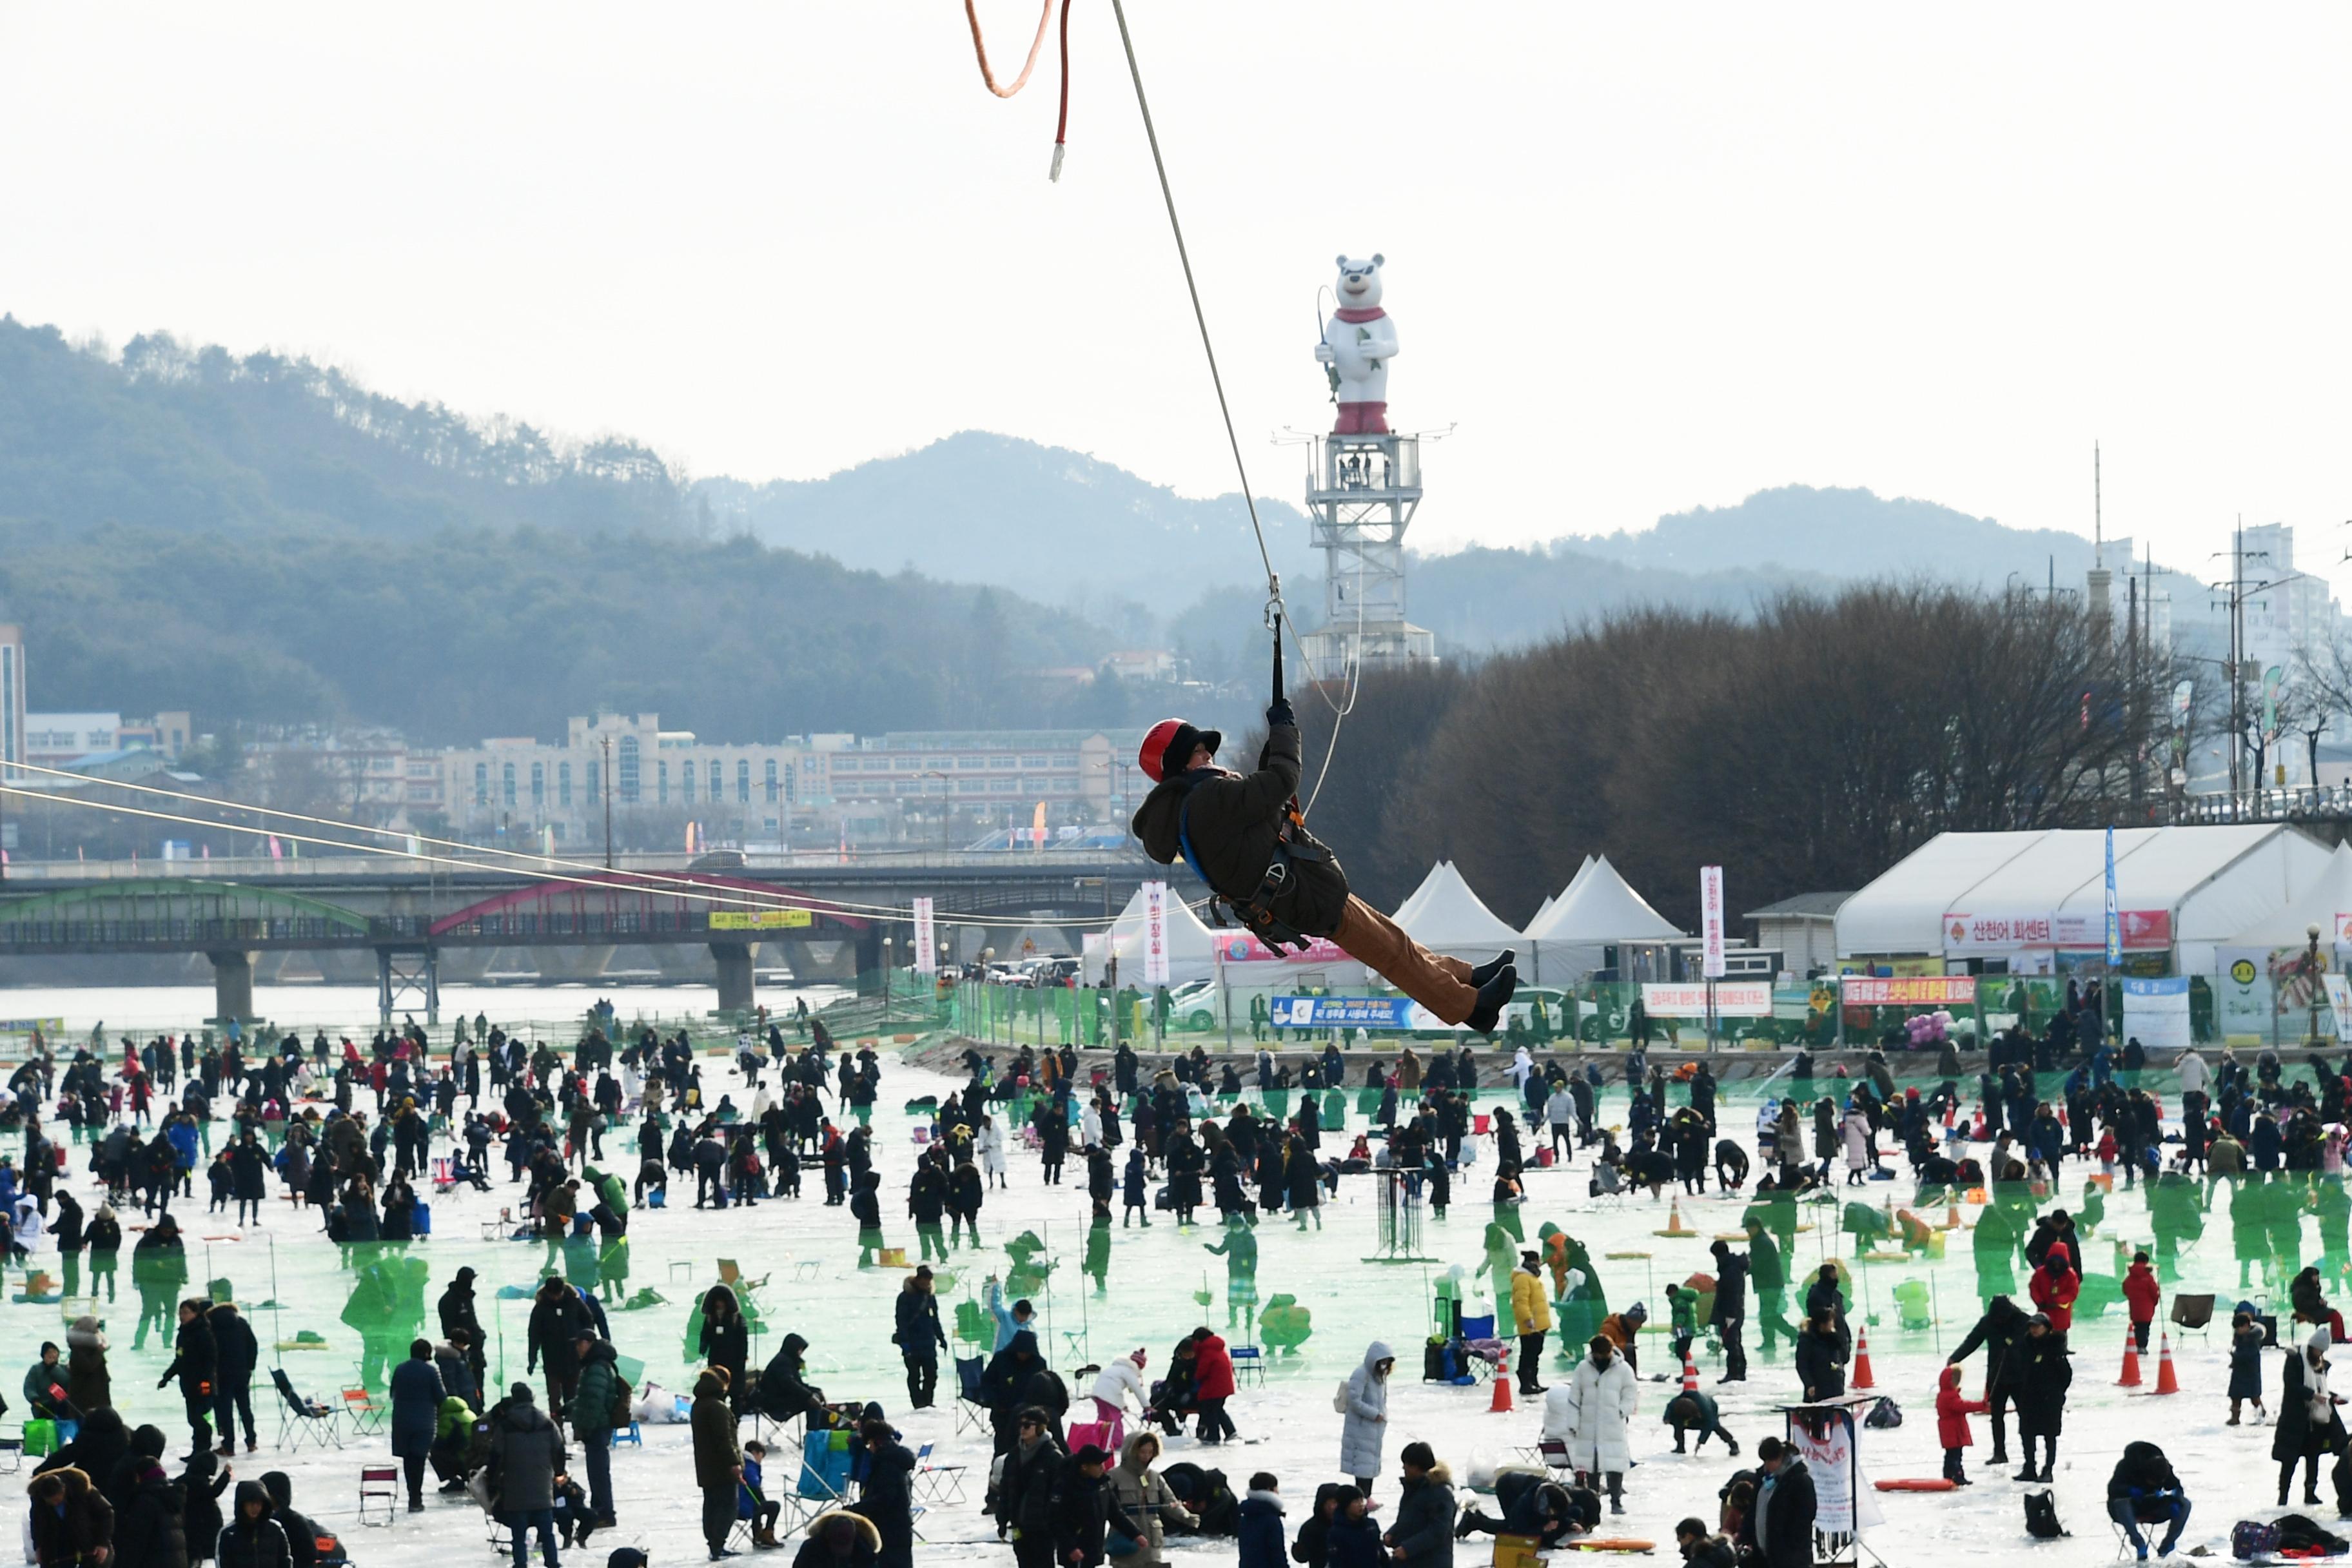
1674 1226
2130 1379
2167 1382
1952 1219
1690 1373
1862 1378
1501 1403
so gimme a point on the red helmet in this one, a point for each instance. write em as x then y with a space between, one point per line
1172 741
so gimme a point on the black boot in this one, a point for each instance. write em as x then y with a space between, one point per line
1494 966
1492 996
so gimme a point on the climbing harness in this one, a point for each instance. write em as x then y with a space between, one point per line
1292 844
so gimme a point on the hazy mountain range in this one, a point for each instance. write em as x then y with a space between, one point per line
128 479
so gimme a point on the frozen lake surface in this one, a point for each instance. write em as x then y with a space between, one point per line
1151 1295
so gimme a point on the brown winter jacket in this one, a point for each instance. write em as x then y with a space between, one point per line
86 1524
1235 823
716 1458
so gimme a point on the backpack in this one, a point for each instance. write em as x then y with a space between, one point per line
1339 1398
623 1401
2042 1516
2252 1538
1885 1416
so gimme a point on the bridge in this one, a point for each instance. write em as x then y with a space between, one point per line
405 915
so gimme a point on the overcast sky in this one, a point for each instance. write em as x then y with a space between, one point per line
1646 257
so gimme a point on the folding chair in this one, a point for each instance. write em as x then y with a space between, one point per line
365 1414
824 1483
942 1484
730 1275
971 1410
2193 1315
1249 1363
299 1417
378 1485
13 1450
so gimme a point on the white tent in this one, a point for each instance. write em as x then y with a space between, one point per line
2326 903
1599 909
2023 896
1445 916
1191 949
1420 895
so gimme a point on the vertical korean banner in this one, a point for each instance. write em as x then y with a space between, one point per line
2115 911
926 958
1710 906
1155 933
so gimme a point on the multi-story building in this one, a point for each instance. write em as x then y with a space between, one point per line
59 739
12 694
656 781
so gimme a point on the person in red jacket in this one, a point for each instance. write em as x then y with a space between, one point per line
1953 1409
2055 1286
2141 1293
1212 1384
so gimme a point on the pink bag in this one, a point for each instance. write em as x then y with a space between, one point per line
1103 1435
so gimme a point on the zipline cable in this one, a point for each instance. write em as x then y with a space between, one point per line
1276 606
600 881
608 876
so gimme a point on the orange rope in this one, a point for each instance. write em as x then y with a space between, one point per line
979 48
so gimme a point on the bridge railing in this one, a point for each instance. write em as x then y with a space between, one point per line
31 933
2270 804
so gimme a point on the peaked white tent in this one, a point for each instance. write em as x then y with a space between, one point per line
2324 904
1420 895
1552 901
1192 947
1599 909
1445 916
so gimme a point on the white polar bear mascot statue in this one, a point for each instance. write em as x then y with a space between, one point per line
1358 343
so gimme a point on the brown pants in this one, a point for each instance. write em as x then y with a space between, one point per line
1438 983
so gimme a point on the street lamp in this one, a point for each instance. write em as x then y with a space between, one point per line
2311 971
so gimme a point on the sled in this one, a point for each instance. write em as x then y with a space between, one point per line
1613 1544
1916 1484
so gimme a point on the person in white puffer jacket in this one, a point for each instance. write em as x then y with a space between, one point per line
1601 1398
1113 1387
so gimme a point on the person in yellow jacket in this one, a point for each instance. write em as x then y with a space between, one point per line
1533 1310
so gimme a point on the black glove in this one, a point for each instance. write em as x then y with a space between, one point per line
1280 714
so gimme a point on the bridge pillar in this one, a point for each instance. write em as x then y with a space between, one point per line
869 959
736 988
232 986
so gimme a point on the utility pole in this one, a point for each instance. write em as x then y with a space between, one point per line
604 788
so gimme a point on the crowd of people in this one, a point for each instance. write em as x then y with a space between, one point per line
339 1138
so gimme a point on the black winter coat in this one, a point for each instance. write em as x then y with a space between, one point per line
235 1350
1999 1330
1234 824
152 1531
1730 1288
1024 1492
1821 1366
196 1365
1787 1540
254 1542
2297 1433
2043 1373
1083 1509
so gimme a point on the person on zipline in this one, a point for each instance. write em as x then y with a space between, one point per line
1244 838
